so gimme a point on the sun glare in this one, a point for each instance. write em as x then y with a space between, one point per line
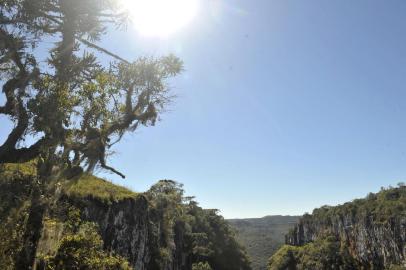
160 18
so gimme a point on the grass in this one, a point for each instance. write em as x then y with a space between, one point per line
86 185
91 186
8 170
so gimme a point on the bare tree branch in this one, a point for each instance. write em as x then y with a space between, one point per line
94 46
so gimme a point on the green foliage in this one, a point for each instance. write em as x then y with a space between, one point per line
88 185
284 258
325 253
328 252
177 227
80 248
15 187
167 209
262 237
85 185
84 250
18 171
11 235
22 175
201 266
207 237
396 267
224 250
16 181
383 206
76 106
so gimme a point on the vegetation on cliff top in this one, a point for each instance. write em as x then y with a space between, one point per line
78 248
66 239
208 238
84 185
88 185
328 250
382 206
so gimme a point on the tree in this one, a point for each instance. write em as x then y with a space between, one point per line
73 106
198 237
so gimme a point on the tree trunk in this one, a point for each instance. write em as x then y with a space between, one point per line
25 258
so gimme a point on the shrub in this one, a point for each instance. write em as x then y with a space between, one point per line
84 250
201 266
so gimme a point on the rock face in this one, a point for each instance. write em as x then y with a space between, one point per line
369 242
124 228
131 229
156 230
373 229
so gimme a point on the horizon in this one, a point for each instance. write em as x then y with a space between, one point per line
283 106
274 214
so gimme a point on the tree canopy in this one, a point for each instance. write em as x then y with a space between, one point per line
62 93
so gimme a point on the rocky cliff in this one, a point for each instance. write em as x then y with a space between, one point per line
125 227
370 233
158 229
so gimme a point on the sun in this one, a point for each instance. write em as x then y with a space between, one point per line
160 18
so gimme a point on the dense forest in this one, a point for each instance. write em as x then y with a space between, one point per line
262 237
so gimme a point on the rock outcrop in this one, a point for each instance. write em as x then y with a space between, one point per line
156 230
372 229
124 227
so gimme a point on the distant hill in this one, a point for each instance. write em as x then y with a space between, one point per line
263 236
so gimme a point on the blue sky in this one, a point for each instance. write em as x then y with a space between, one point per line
284 105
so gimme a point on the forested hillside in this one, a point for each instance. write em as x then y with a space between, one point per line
262 236
367 233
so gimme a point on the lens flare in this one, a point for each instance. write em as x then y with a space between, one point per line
160 18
